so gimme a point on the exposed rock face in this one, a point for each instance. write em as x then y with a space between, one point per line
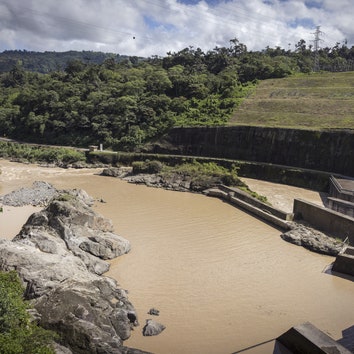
116 171
152 328
39 195
60 255
312 239
174 181
154 312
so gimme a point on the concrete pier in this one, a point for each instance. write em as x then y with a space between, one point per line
242 200
344 262
308 339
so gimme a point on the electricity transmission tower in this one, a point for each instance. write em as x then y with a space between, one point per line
316 65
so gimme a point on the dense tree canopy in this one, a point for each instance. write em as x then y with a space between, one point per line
51 61
126 103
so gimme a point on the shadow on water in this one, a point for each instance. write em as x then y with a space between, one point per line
278 348
324 199
347 340
253 215
328 270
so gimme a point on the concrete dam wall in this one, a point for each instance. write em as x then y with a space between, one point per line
327 150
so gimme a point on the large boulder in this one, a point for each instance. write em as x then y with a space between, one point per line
70 222
38 195
60 255
312 239
152 328
116 171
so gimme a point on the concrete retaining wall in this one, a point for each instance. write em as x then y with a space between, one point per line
344 262
325 220
307 339
327 150
341 206
256 203
336 190
232 198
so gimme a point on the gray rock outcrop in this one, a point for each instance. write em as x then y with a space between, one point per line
154 312
152 328
60 254
312 239
174 182
116 171
38 195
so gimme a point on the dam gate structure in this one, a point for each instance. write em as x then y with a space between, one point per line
341 195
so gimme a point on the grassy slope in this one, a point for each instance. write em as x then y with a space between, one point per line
315 101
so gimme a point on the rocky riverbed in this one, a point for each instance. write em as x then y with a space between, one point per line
61 254
174 181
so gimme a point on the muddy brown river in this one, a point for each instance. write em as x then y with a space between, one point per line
224 281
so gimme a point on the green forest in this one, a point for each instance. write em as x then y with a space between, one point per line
45 62
124 102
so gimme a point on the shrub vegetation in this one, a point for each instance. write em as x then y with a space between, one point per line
18 333
40 154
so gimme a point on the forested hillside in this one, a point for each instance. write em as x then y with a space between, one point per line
53 61
124 104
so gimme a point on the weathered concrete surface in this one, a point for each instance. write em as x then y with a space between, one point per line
326 150
249 204
307 339
325 219
344 262
341 195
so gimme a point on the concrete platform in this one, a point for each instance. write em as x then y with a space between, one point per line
307 339
346 183
344 262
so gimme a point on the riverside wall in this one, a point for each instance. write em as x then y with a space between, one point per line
326 150
324 219
261 210
299 177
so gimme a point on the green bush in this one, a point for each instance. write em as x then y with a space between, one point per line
40 154
64 197
18 334
209 169
106 157
147 166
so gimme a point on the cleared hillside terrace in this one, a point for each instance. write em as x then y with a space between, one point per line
306 101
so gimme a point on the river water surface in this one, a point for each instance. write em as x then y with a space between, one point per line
224 281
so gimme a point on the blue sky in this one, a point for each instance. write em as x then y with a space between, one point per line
155 27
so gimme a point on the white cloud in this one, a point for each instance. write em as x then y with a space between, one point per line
154 27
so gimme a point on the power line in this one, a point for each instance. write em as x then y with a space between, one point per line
253 23
316 65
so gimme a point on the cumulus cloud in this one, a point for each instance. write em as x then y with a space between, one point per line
154 27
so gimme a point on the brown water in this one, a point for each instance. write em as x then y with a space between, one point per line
223 280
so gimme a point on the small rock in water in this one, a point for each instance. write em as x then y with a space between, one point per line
152 328
154 312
